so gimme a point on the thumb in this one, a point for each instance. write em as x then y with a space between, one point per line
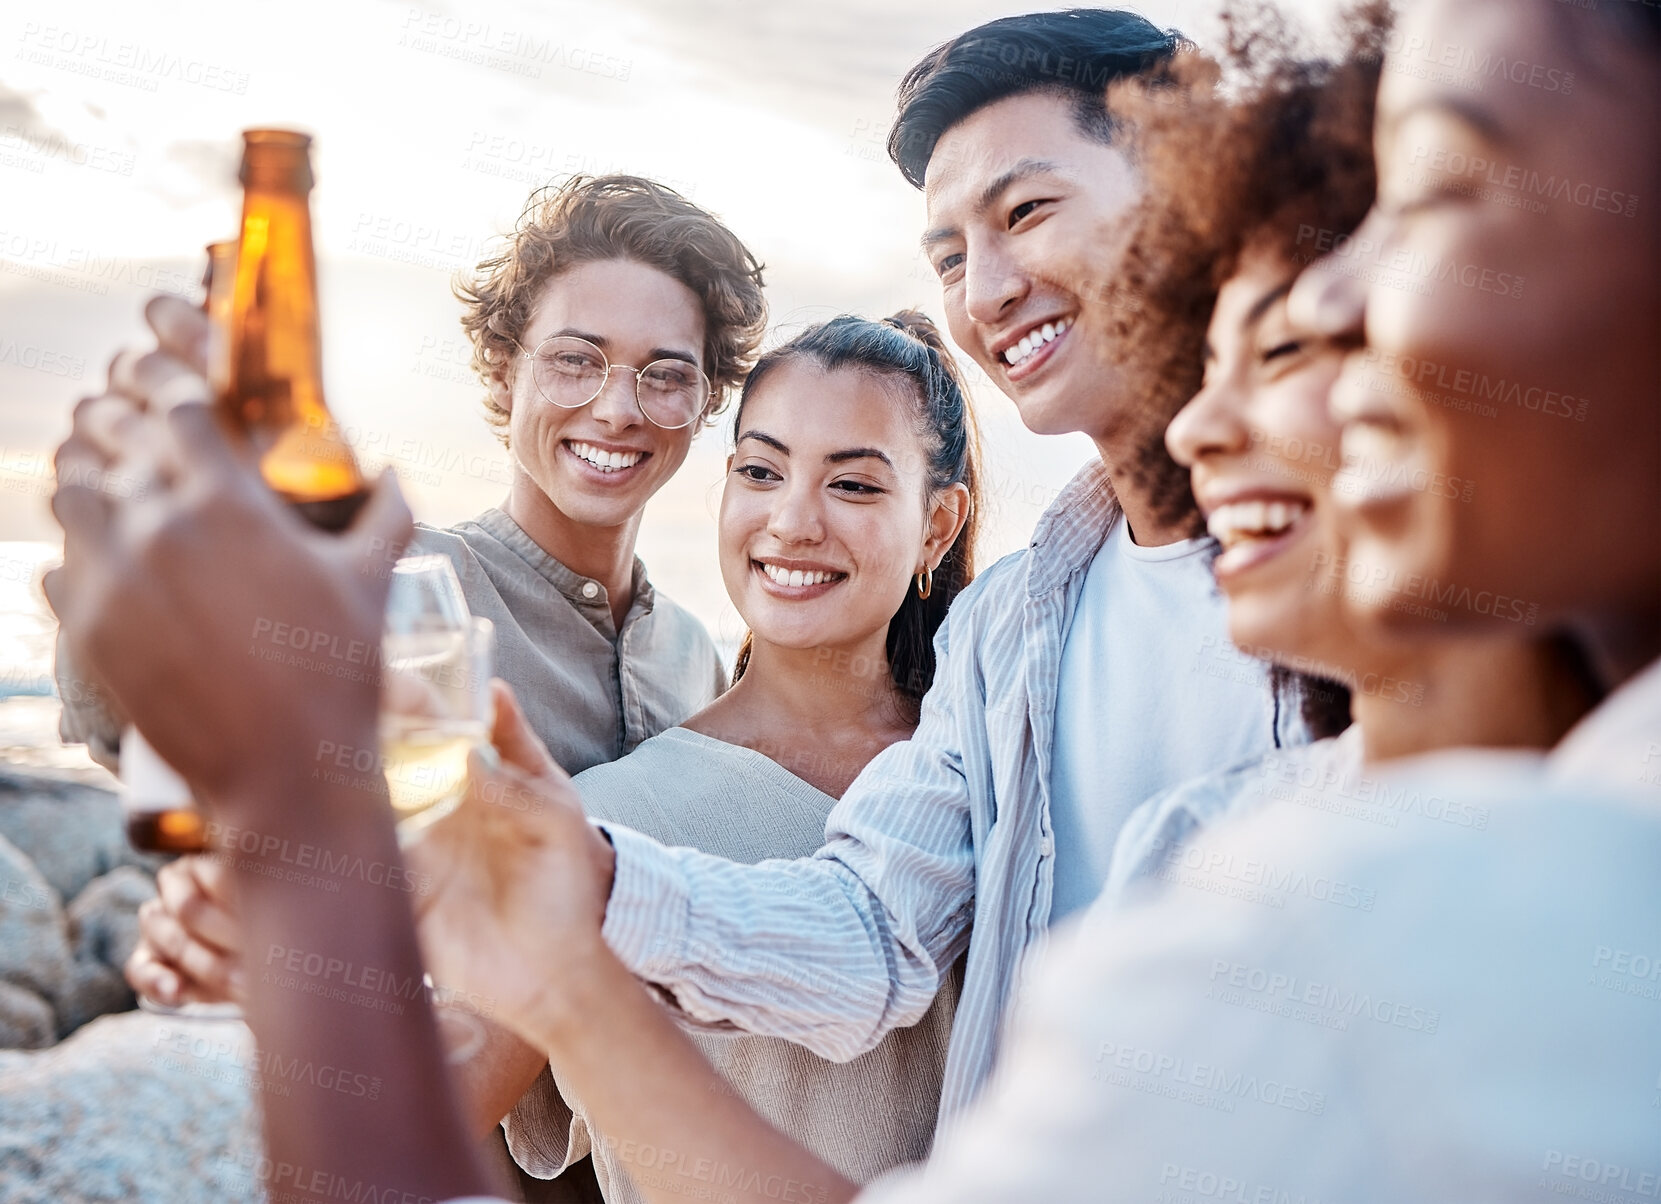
515 742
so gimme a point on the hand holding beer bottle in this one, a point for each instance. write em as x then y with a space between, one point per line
264 363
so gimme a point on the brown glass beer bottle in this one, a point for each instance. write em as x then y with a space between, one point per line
161 816
265 367
269 380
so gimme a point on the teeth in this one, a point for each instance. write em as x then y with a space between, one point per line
1035 339
796 577
605 461
1230 524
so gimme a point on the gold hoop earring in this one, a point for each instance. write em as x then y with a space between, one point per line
925 582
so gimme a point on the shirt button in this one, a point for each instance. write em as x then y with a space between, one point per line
590 589
1046 846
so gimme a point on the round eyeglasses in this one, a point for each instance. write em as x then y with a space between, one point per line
570 372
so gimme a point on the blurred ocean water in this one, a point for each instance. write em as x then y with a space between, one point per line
27 626
28 699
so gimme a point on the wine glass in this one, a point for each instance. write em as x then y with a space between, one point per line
436 664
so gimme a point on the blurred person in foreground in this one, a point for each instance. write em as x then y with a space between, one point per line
1544 393
1251 182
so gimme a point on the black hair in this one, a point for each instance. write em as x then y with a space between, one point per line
1075 53
909 346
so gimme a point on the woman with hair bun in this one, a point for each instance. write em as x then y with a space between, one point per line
846 529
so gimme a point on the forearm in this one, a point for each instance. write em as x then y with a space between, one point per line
88 716
657 1104
497 1075
335 989
802 950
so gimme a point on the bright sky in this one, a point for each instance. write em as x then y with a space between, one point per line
119 139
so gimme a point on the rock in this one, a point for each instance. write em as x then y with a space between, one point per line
90 990
103 928
132 1107
34 933
103 919
26 1020
72 832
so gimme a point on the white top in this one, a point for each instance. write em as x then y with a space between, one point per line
1160 842
1148 652
1619 744
1488 1031
863 1117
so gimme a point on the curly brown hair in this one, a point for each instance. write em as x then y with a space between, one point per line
1260 148
589 218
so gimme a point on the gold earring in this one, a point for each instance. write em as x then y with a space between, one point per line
925 582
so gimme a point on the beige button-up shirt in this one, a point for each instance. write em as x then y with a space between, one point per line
592 692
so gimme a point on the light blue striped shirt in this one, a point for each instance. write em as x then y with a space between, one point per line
943 835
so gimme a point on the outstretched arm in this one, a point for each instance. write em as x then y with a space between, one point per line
832 951
161 589
511 918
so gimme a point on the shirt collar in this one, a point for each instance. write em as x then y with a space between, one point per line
570 584
1073 529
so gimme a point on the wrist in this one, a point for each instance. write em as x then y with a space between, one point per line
604 856
312 780
588 978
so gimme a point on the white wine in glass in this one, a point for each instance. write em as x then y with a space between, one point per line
435 690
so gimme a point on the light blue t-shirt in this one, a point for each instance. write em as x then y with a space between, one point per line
1152 693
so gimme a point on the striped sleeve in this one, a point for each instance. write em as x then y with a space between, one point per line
832 951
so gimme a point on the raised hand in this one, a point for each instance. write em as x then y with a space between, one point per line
190 941
517 879
186 591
